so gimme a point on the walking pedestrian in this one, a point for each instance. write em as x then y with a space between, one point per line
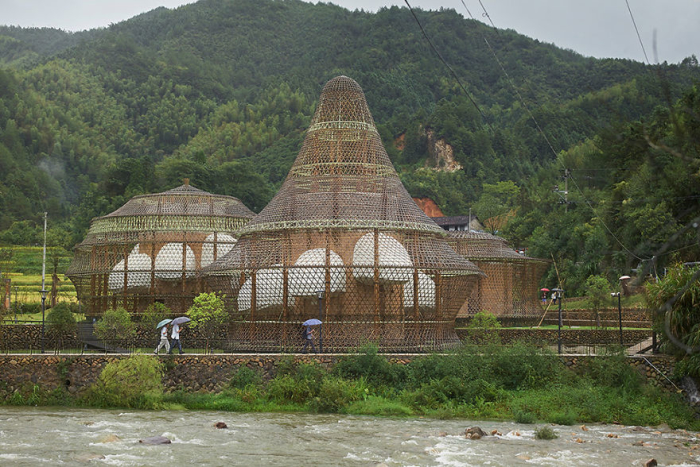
308 336
175 335
163 340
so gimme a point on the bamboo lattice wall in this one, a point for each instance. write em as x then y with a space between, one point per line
152 249
511 286
343 225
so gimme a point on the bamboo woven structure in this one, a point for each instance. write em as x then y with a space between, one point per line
511 286
152 248
343 227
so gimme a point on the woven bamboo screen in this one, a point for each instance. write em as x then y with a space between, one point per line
343 226
511 286
152 248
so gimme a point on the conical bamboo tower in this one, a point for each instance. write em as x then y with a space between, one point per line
152 248
343 228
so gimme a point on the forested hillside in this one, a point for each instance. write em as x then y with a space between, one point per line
221 91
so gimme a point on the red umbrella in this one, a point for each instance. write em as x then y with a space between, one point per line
544 289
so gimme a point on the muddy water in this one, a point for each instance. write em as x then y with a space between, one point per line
41 436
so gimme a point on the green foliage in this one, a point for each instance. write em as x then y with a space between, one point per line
484 320
297 384
675 302
245 377
371 366
208 314
523 416
154 314
481 328
337 393
597 289
134 382
60 320
115 324
545 433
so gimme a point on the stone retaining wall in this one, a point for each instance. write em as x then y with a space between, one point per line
28 337
212 372
551 336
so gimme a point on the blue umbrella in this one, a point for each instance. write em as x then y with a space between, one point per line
311 322
181 319
163 323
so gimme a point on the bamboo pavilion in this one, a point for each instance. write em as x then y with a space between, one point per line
152 248
511 286
344 242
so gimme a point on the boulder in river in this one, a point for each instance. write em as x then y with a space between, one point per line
220 425
155 440
110 439
651 463
474 432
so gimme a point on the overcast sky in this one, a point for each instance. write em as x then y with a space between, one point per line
599 28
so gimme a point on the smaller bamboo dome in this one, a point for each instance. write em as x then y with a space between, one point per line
151 249
511 286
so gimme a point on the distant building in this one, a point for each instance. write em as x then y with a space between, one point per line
459 223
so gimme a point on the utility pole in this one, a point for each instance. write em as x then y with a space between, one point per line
43 286
565 193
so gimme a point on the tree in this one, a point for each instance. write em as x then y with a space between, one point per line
115 325
597 288
208 315
153 314
495 203
675 302
60 322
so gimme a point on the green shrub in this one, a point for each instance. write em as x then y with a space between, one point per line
523 366
336 393
374 368
286 389
613 371
563 418
482 328
523 416
115 325
60 320
245 377
135 382
545 433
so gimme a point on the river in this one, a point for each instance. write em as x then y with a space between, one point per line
50 436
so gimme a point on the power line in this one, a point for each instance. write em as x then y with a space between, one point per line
459 82
636 29
549 144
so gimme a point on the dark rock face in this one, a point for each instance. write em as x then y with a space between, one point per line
155 440
650 463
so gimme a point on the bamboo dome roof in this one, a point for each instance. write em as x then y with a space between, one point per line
184 208
484 246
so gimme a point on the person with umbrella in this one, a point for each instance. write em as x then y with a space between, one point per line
163 325
308 334
175 335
